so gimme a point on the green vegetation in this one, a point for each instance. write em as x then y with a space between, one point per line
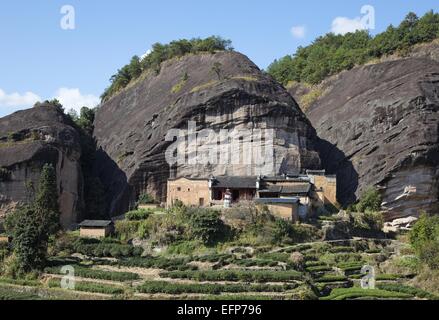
153 262
31 226
159 54
101 249
89 287
424 237
331 53
7 293
370 201
145 198
97 274
206 225
235 275
210 288
407 289
177 88
353 293
140 214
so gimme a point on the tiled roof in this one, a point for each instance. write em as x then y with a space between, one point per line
276 200
95 223
235 182
302 188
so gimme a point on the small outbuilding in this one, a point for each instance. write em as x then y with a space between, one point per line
285 208
96 228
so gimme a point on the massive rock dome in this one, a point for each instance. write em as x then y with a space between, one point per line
384 120
28 140
221 91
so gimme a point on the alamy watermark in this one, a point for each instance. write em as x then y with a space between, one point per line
252 147
68 20
68 280
368 281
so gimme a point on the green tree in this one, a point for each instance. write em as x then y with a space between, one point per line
27 240
370 201
206 225
424 238
46 202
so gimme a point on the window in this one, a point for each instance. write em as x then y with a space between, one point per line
178 188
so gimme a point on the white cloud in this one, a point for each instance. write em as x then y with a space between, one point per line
147 53
17 100
343 25
72 98
298 32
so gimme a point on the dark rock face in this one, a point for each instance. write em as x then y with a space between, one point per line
218 91
384 119
28 140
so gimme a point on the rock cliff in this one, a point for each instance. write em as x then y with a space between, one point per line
384 120
221 91
28 140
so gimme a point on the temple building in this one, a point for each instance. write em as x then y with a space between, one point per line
292 197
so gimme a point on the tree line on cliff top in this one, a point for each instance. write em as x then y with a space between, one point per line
331 54
158 54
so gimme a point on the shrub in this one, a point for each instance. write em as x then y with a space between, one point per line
153 262
101 249
424 237
97 274
354 293
207 226
127 229
136 215
208 288
407 289
235 275
89 287
370 201
330 278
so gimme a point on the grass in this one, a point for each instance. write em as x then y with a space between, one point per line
245 78
312 96
235 275
205 86
89 287
353 293
97 274
177 88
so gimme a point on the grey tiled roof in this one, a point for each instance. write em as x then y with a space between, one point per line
302 188
276 200
235 182
95 223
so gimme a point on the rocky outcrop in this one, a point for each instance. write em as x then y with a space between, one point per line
384 121
222 91
28 140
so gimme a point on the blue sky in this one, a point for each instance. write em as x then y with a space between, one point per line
40 60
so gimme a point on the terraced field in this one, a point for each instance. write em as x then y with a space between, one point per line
320 270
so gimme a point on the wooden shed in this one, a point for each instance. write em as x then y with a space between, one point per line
96 228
